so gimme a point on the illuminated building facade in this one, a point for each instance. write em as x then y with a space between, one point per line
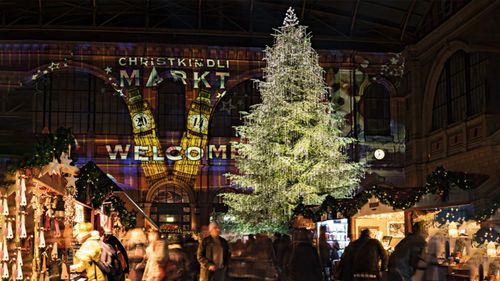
158 116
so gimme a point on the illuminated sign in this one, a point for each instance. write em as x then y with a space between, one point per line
205 72
145 153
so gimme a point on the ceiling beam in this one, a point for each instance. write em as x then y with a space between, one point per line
302 11
199 13
354 13
381 4
250 19
187 32
40 18
408 16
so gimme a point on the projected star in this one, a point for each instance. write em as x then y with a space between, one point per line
228 106
220 95
53 66
108 69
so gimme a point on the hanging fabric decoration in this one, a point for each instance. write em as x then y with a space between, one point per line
47 223
54 254
19 258
23 201
5 206
14 271
5 271
41 244
58 230
5 256
44 268
10 233
22 232
64 272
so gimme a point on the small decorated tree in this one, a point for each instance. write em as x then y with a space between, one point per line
291 145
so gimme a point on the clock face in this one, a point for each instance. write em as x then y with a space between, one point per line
142 121
379 154
198 123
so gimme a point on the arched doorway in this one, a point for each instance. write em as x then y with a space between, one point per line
170 206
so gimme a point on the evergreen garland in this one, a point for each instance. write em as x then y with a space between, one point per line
438 182
95 187
48 147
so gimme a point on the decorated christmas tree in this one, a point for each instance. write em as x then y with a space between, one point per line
291 145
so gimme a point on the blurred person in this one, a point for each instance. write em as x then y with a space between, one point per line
325 252
180 260
191 249
276 241
302 261
265 258
284 246
250 245
135 244
237 248
407 254
213 255
157 264
89 254
361 259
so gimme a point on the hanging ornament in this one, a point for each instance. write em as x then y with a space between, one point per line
5 271
5 256
19 258
54 254
34 201
44 268
64 272
23 201
10 233
5 206
42 239
58 230
22 232
19 272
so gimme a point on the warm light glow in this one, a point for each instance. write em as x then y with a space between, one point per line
452 230
491 250
170 219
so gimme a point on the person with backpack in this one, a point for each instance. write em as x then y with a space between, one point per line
89 254
114 261
360 261
302 262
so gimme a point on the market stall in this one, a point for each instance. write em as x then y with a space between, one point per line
463 236
385 224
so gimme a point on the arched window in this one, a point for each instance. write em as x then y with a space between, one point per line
461 89
79 101
377 113
170 205
171 107
227 114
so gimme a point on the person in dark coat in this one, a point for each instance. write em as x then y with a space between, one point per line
191 248
360 261
180 259
213 255
302 261
404 260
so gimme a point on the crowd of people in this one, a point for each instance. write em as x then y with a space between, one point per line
145 256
